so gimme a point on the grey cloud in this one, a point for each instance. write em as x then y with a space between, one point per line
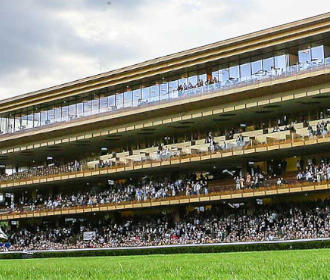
34 36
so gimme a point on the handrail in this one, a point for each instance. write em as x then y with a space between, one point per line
181 199
137 165
291 71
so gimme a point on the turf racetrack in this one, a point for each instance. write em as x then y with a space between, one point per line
295 264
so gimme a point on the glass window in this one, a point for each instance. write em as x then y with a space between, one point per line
256 67
136 97
154 93
120 100
268 65
23 121
304 56
145 94
173 89
72 111
215 76
224 75
65 113
112 102
192 81
183 83
317 55
58 114
3 125
50 116
173 86
43 117
36 119
17 122
245 70
103 104
80 109
30 121
280 63
128 99
95 106
202 78
163 91
10 125
87 107
234 73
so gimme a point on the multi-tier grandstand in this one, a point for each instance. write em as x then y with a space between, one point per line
224 143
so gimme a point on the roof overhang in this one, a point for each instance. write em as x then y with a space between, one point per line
270 37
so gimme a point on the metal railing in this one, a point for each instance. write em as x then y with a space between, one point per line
255 79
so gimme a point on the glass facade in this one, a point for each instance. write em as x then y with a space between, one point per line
246 70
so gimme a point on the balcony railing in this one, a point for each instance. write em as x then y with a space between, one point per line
293 141
257 78
293 186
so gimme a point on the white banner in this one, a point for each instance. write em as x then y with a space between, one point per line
89 235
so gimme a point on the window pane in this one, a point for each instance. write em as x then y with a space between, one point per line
192 81
87 107
245 70
120 100
72 111
30 121
183 83
173 89
3 125
58 114
103 104
112 102
65 113
224 75
36 119
145 94
268 64
280 63
136 97
154 93
234 72
215 76
163 91
43 117
24 121
318 54
172 86
304 56
95 106
128 98
51 116
256 67
80 109
202 78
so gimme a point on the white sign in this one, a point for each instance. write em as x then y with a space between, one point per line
89 235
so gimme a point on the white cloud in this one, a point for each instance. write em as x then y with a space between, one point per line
51 42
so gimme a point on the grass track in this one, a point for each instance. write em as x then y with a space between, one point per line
295 264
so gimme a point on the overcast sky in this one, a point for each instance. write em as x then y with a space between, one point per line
48 42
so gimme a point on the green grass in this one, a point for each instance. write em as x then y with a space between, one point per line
295 264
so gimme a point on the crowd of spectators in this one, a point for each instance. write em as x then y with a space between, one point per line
115 193
320 130
164 152
43 170
155 188
314 172
202 226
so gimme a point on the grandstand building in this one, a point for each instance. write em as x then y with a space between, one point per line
238 125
